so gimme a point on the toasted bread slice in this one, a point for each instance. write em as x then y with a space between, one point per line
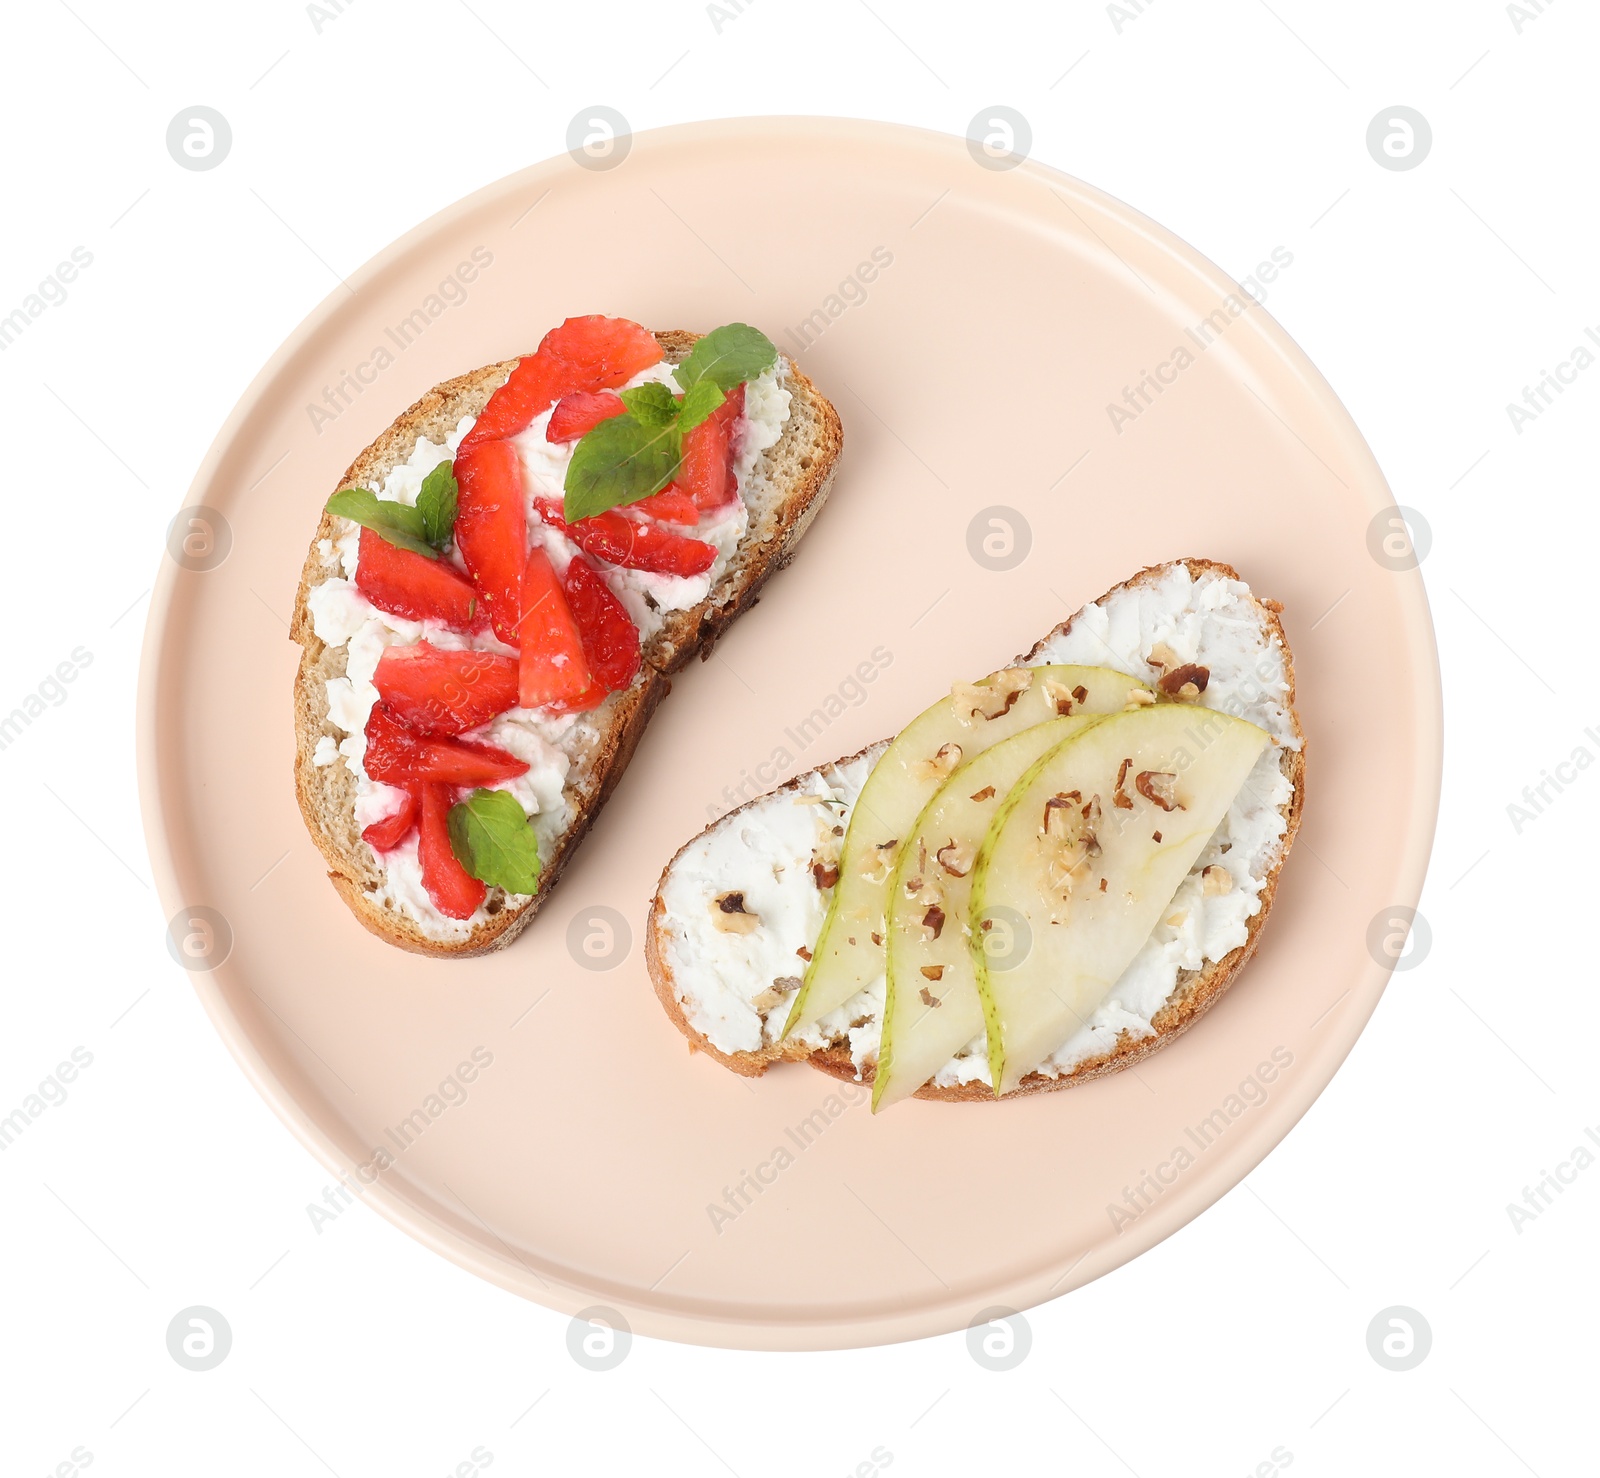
725 997
786 489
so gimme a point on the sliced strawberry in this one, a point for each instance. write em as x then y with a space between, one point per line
670 505
414 586
399 755
535 385
633 545
386 835
586 354
553 667
707 472
602 352
491 529
579 413
454 890
610 639
442 692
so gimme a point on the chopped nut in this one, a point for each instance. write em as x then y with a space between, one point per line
782 985
933 920
1139 698
1102 885
1176 921
986 794
928 998
730 916
1181 680
1215 880
1081 693
1061 697
973 701
1064 801
1162 656
956 858
879 861
825 874
838 831
913 886
804 953
1119 797
877 938
1155 836
1159 787
947 758
933 972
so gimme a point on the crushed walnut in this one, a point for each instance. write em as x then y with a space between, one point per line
1138 698
1186 683
986 794
782 985
937 768
1215 881
933 972
1120 797
928 997
956 858
730 916
1160 788
824 874
1061 697
991 698
804 953
933 920
879 861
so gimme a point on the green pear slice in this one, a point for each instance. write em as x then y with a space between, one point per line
1085 853
849 953
931 1005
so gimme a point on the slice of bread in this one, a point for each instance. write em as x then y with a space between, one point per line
785 491
1250 637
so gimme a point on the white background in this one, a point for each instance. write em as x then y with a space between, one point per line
1430 298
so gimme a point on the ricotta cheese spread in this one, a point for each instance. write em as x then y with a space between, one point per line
344 619
766 850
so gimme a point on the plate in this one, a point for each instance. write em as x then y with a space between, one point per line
1042 391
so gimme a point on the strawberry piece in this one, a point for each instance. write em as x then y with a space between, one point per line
442 692
602 353
386 835
553 667
587 354
670 505
454 890
610 639
491 529
579 413
633 545
535 385
707 472
399 755
414 586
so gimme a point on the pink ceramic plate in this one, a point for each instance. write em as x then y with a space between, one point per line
579 1157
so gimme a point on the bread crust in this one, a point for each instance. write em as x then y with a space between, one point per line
1195 992
807 453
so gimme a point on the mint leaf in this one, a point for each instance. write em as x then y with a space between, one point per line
699 401
620 461
490 835
727 356
437 504
652 404
404 527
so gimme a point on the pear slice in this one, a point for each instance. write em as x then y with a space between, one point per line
1086 851
931 1006
849 953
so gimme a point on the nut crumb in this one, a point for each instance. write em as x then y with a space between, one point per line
1159 787
1215 881
933 972
933 920
1187 682
986 794
804 953
1139 698
956 858
1119 797
928 998
730 916
1155 836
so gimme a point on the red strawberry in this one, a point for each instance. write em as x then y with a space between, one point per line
602 352
491 529
707 473
399 755
553 668
670 505
534 386
588 354
442 692
414 586
580 412
610 639
386 835
454 891
633 545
